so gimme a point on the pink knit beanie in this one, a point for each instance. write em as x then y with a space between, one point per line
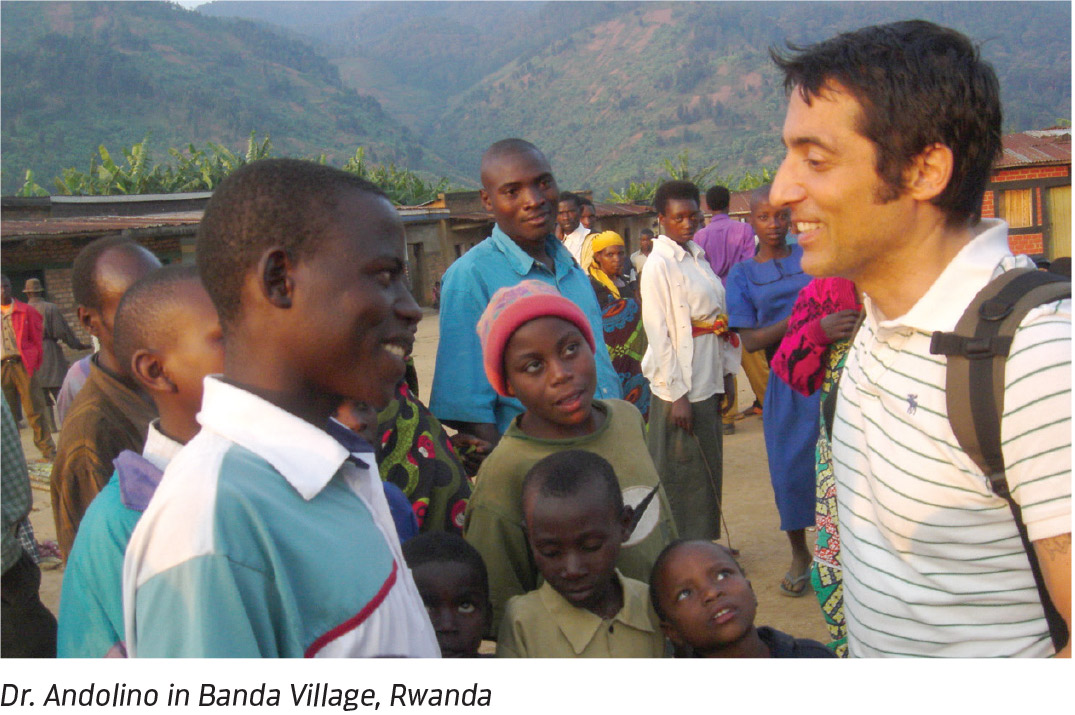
512 307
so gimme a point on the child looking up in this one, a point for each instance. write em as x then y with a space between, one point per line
576 522
538 347
454 584
705 603
266 536
167 339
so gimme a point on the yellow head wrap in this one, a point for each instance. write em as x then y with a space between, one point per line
600 242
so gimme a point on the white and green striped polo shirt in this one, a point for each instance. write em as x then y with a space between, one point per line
933 564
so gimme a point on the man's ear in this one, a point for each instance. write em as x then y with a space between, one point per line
487 203
89 318
148 370
276 274
929 172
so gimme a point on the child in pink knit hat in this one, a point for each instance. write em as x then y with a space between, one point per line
537 346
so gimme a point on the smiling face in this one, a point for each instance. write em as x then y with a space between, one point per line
850 223
457 604
568 216
354 318
575 540
680 219
770 224
611 259
707 602
520 191
550 369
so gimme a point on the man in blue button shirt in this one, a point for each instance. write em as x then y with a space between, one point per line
519 189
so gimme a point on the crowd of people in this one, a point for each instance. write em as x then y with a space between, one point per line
246 467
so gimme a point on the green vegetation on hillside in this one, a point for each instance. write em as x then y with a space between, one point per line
79 73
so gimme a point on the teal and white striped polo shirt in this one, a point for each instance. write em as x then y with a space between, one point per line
933 564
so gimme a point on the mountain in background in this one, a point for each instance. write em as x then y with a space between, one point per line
77 75
607 90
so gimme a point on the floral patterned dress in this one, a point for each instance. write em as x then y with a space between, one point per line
626 340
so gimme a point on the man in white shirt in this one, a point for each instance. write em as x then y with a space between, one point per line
890 134
569 219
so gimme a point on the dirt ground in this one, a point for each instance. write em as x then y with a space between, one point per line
753 523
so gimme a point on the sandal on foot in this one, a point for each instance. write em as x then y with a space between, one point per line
794 587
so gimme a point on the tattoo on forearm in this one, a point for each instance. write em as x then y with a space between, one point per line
1057 546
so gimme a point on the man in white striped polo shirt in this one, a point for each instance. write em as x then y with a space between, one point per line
890 134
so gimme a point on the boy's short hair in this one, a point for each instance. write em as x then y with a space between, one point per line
565 474
273 202
674 190
759 195
658 564
917 83
142 317
647 232
718 198
84 269
445 547
572 197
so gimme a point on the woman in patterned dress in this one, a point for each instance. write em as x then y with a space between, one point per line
621 315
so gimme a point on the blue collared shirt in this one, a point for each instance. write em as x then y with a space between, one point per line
460 389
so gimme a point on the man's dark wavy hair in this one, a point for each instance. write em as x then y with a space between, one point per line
918 84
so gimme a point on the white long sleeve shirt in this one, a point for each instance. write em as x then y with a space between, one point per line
679 286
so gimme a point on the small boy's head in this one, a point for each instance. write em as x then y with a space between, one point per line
702 597
454 585
576 522
305 264
770 223
168 338
538 346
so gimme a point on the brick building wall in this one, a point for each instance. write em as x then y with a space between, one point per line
1026 243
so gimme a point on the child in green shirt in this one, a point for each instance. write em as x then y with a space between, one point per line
538 347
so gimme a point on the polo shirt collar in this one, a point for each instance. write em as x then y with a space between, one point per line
674 250
985 256
522 262
306 456
579 626
160 448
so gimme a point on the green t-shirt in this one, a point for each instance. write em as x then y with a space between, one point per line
494 517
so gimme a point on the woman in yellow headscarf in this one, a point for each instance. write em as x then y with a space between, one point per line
622 316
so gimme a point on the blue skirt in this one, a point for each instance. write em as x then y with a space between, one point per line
791 424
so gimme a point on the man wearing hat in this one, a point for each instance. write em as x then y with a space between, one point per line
56 329
19 361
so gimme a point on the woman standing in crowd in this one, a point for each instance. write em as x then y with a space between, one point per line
690 362
761 293
621 315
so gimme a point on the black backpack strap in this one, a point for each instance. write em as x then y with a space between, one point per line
977 353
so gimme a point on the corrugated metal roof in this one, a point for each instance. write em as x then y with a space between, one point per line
1051 146
93 225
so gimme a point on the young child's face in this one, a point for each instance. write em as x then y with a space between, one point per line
196 348
550 369
575 541
707 601
360 418
680 219
457 605
770 224
357 317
